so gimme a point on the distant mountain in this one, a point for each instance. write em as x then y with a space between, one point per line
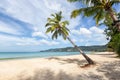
84 48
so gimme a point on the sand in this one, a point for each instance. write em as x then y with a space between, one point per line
62 68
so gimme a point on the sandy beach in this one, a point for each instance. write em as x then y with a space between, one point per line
62 68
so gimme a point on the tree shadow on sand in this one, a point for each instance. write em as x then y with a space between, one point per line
68 61
46 74
108 55
111 70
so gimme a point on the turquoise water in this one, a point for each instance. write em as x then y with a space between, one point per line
7 55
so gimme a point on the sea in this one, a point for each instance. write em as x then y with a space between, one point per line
17 55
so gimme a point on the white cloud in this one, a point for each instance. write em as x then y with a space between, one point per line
33 42
36 12
24 41
53 5
74 40
77 32
39 34
82 31
81 40
85 31
91 36
96 30
8 29
87 44
50 43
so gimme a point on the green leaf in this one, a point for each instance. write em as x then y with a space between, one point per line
64 23
48 30
53 15
114 2
55 35
76 12
64 37
49 24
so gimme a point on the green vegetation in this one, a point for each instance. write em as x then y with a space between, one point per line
113 35
57 27
84 48
98 9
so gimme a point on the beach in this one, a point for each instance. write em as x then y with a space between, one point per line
71 67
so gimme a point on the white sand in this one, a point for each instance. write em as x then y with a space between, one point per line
55 68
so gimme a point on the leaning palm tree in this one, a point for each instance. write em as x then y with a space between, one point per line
57 27
99 9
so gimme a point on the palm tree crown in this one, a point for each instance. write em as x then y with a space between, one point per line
99 9
57 26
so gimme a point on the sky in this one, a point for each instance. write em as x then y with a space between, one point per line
22 26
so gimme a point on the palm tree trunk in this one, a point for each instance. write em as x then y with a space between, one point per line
114 17
90 61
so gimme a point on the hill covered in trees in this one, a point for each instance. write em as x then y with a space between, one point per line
84 48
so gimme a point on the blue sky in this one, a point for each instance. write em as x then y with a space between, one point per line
22 26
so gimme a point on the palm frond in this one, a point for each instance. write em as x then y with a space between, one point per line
64 23
58 16
114 2
53 15
52 20
99 16
66 29
63 35
55 35
59 32
88 11
60 13
76 12
48 30
49 24
91 11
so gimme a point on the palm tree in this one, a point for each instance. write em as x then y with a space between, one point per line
113 36
57 27
99 9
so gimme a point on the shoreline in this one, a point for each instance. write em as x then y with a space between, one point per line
31 57
61 68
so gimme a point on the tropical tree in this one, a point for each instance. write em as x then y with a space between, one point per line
113 35
99 9
57 27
